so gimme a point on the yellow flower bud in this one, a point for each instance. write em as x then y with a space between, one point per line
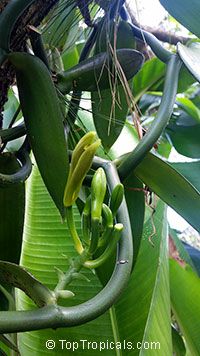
81 162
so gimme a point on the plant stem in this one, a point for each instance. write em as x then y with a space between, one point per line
24 171
66 278
12 133
72 228
128 162
163 54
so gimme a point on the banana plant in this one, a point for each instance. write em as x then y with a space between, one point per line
88 262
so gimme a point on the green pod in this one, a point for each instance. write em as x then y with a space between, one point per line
116 198
107 215
12 205
43 120
98 191
94 73
8 18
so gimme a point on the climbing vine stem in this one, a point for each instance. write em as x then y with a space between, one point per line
127 163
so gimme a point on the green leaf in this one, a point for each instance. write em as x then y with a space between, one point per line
10 108
185 293
135 200
189 107
97 72
18 277
70 57
46 245
186 12
185 79
190 56
110 106
109 32
184 134
172 187
190 170
7 341
178 343
58 27
3 351
109 114
144 80
143 313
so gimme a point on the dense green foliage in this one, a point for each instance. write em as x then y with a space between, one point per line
86 250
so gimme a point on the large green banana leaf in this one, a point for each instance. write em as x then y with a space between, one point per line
135 199
185 294
147 298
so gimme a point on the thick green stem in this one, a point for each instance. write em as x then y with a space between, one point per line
131 160
163 54
22 174
12 133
